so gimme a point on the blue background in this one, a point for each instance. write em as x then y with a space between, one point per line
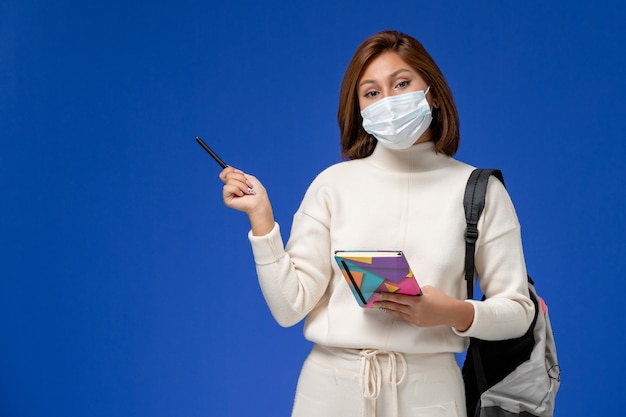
118 260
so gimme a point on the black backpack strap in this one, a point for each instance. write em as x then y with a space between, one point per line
474 203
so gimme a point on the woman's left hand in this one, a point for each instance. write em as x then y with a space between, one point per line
432 308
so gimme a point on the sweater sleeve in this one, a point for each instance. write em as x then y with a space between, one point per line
507 310
294 278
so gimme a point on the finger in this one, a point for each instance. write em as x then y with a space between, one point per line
230 173
248 179
239 175
385 295
234 176
395 298
395 313
391 306
224 173
232 190
238 188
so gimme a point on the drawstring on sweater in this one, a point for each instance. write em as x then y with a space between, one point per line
371 378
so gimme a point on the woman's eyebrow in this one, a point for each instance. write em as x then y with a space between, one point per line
391 76
398 72
364 82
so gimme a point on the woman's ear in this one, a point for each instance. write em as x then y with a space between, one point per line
434 102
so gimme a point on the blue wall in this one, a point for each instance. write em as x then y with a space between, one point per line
117 254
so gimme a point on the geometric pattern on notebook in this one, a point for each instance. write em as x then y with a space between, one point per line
371 275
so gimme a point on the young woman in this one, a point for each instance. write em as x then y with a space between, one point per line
399 189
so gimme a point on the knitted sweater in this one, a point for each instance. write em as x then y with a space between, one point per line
409 200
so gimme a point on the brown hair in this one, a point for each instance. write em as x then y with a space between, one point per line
356 143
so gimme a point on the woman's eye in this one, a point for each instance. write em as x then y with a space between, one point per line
403 84
371 94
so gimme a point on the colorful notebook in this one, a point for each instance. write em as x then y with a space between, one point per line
369 272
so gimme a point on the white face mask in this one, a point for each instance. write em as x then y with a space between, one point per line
398 121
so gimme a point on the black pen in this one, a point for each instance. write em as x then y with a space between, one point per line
220 161
210 151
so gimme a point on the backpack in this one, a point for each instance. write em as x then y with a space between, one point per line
514 377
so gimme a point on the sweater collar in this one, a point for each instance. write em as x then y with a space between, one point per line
419 157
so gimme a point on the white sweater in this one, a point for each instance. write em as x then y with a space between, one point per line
409 200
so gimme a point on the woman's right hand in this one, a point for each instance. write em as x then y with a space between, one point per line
245 193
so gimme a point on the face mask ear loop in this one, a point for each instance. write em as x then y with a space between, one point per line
432 107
